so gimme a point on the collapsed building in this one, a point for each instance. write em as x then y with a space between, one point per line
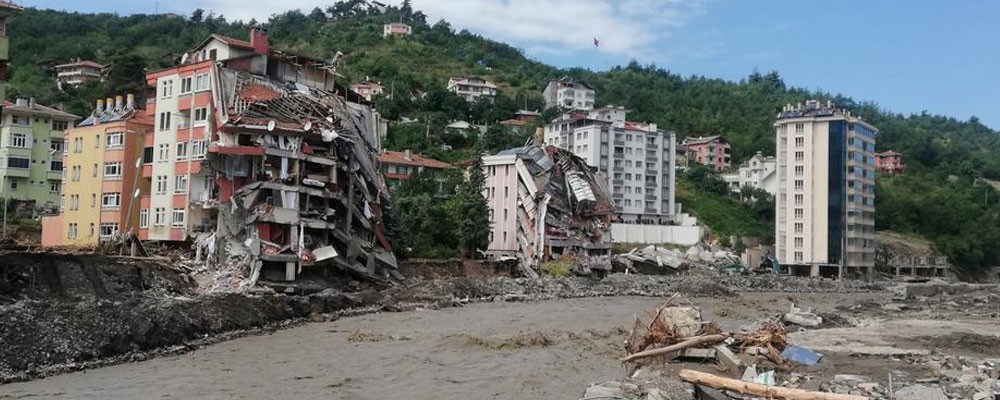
547 203
298 180
259 159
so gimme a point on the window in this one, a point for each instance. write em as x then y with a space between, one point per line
19 140
800 141
799 128
164 121
800 156
111 200
97 141
113 170
13 185
799 184
55 186
115 140
60 125
76 173
144 218
182 150
186 85
798 256
160 216
20 120
180 184
93 200
18 162
800 170
91 232
798 243
178 217
167 88
57 146
798 227
198 149
109 229
147 155
799 213
164 152
798 199
74 202
71 232
200 114
93 171
201 82
161 184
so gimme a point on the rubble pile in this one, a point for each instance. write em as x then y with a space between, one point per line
655 260
564 210
299 185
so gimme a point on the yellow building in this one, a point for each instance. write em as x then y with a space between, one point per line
101 177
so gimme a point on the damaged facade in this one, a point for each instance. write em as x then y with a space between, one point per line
258 158
546 203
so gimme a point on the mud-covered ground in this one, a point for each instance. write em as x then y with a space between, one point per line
496 337
546 349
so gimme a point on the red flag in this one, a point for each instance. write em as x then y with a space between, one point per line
597 43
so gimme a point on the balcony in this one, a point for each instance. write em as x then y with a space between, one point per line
618 168
650 210
651 184
652 159
618 142
618 196
651 197
617 182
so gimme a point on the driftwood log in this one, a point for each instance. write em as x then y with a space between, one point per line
758 390
691 342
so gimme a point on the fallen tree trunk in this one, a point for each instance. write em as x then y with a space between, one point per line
691 342
758 390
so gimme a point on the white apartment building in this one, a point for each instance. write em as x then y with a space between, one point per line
569 94
758 172
472 88
637 158
825 201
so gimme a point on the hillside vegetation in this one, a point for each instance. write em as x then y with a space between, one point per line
936 198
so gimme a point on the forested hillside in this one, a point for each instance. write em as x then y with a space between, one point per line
937 198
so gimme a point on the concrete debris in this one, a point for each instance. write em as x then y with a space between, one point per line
655 260
801 317
300 187
564 209
920 392
611 390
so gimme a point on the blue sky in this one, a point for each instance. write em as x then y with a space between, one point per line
908 56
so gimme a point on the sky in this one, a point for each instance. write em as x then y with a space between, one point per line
936 56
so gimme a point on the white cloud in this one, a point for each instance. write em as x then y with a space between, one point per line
624 27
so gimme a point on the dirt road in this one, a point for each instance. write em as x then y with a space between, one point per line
548 349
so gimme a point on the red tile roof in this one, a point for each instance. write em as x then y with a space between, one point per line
399 157
233 41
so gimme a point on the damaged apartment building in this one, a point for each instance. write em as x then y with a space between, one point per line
259 160
546 203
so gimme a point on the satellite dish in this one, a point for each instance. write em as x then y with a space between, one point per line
308 126
270 125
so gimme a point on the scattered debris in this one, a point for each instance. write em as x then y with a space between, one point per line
759 390
803 318
801 355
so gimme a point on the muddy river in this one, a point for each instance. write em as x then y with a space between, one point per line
548 349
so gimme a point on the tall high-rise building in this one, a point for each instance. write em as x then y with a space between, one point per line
637 158
825 203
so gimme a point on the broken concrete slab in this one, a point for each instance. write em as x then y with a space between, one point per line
729 360
920 392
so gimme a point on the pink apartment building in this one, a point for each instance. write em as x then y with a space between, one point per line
712 151
889 162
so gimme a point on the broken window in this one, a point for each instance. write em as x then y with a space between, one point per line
109 229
